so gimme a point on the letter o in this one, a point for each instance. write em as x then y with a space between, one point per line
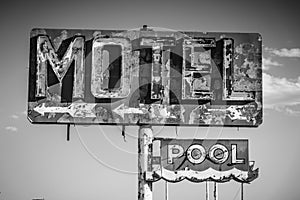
196 154
213 157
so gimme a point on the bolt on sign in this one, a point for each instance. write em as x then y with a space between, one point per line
201 160
145 76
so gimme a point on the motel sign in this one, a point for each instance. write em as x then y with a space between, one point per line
145 76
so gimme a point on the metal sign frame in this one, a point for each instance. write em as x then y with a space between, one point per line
199 160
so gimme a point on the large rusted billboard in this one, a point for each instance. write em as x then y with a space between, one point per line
145 76
200 160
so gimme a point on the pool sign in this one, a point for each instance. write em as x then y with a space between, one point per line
200 160
145 76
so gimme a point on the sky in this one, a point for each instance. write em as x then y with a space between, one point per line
36 161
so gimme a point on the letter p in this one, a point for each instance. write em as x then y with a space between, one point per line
174 151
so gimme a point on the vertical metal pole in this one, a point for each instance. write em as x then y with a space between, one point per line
166 190
242 191
207 190
215 191
145 141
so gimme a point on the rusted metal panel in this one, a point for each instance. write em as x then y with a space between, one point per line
202 160
145 77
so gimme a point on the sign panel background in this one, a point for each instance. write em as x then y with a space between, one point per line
145 77
182 163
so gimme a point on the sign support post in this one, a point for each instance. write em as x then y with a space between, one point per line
211 194
166 190
242 191
215 191
144 163
206 190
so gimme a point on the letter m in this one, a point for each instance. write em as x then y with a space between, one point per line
60 72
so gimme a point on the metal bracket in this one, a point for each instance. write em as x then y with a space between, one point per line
123 133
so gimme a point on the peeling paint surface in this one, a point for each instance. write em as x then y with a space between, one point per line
101 75
145 77
144 162
207 175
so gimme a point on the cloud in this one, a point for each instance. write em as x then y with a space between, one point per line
11 128
284 52
15 116
268 62
18 115
280 92
292 110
